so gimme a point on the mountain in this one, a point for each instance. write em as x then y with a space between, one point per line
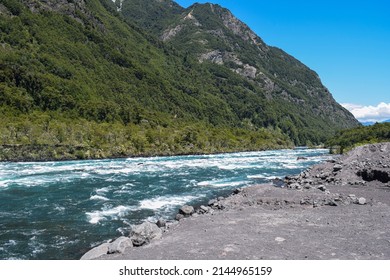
372 123
298 100
96 78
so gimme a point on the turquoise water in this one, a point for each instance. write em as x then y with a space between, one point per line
58 210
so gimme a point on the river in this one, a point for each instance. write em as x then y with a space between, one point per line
58 210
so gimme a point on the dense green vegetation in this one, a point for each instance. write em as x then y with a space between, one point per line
84 81
351 138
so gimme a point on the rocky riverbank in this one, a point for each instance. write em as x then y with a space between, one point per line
339 209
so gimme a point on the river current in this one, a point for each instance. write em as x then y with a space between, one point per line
57 210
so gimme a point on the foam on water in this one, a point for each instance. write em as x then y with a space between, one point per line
99 197
112 213
165 202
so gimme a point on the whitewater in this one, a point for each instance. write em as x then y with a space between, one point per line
59 210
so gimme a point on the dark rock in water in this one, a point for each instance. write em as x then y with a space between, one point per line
145 233
119 245
96 252
277 182
186 210
161 223
302 158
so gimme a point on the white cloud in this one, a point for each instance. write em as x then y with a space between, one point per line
363 113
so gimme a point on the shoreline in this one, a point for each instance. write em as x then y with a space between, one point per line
152 155
326 212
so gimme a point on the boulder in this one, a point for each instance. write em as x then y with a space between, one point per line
186 210
96 252
119 245
145 233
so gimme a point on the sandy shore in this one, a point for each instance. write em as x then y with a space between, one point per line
336 210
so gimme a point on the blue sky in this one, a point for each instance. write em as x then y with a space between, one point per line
346 42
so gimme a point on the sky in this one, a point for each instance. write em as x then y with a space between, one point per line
346 42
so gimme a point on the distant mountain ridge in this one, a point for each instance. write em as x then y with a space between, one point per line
102 78
372 123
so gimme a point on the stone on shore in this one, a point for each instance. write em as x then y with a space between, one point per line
96 252
161 223
145 233
119 245
362 201
179 217
186 210
204 209
337 167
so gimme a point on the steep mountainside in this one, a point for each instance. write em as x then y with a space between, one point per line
213 34
91 78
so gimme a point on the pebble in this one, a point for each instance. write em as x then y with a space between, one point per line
322 188
280 239
362 201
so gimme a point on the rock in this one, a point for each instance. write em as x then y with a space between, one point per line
186 210
337 167
302 158
204 209
322 188
331 203
212 202
220 198
96 252
145 233
161 223
277 182
295 186
237 191
119 245
179 217
362 201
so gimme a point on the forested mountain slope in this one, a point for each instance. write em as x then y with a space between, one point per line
84 79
